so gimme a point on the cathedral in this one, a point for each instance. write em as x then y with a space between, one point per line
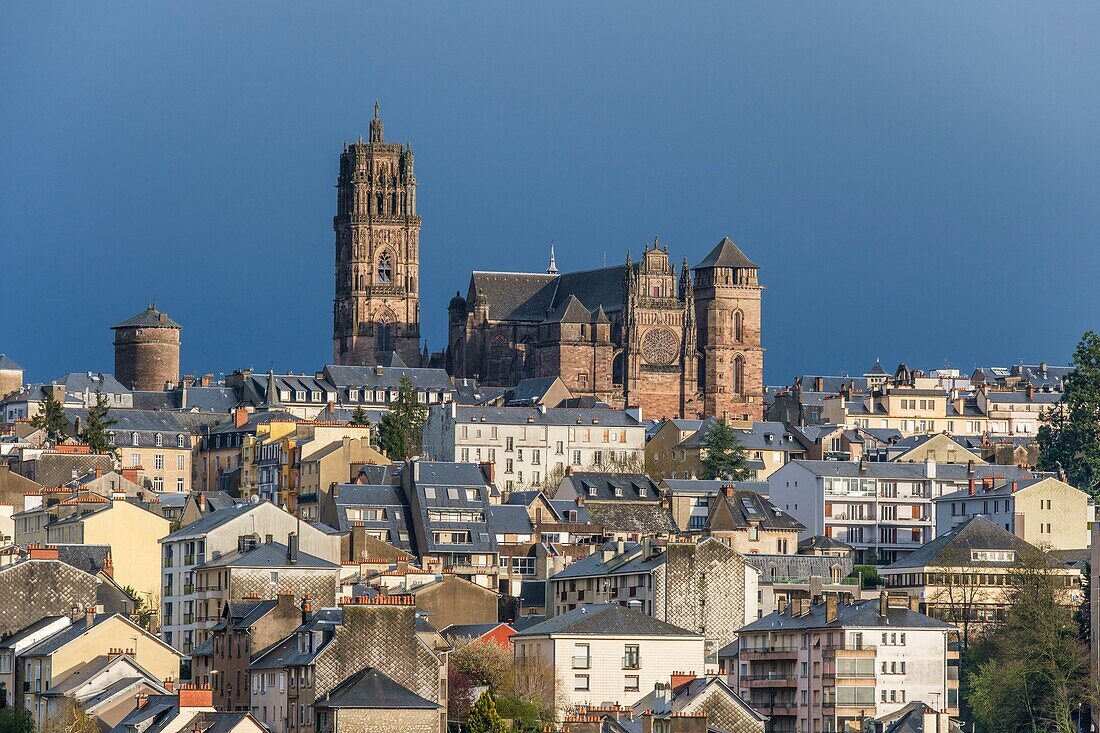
376 310
632 335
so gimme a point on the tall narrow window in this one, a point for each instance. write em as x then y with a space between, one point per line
385 268
737 319
738 375
384 335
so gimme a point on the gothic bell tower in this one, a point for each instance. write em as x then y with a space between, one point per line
377 305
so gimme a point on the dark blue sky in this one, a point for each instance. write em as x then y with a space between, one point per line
918 181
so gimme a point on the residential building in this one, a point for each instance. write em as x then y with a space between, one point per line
498 633
76 389
767 446
11 375
218 533
883 510
963 575
132 532
705 587
334 646
828 666
155 443
535 446
687 703
916 717
190 709
371 701
90 637
13 644
628 506
605 654
1042 511
324 463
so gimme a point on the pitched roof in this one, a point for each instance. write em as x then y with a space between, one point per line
148 318
514 296
954 548
570 311
745 509
8 364
267 554
630 561
370 688
725 254
909 471
606 619
861 614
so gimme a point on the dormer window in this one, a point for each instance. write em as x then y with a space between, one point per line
133 438
159 440
353 395
618 491
299 395
315 395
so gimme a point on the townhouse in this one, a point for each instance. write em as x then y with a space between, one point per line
767 446
1043 511
533 446
628 506
153 443
604 654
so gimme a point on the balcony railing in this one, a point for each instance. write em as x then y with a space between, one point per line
769 676
631 662
188 559
188 588
850 647
188 618
582 662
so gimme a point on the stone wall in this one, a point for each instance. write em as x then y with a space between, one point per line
146 358
387 721
38 588
705 586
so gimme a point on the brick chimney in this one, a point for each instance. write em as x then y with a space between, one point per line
489 470
307 608
679 679
971 486
240 417
831 608
195 696
39 552
728 490
170 684
883 603
131 474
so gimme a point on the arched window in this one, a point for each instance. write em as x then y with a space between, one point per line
738 375
737 333
385 268
617 370
133 438
159 439
383 335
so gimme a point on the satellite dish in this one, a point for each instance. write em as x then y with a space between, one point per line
254 499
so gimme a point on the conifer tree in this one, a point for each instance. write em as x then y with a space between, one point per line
484 717
94 433
725 456
1069 440
51 418
401 431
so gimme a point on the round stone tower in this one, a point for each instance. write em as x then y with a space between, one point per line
147 350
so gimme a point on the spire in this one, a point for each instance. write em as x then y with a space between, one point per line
272 396
553 268
376 124
685 281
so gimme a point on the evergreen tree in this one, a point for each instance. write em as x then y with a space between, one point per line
51 418
359 417
94 433
725 457
484 717
1069 440
401 431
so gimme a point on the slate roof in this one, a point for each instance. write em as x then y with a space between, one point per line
513 296
570 311
148 318
711 487
529 391
910 719
51 644
285 653
7 364
999 490
526 622
254 419
209 521
593 486
469 631
159 709
89 558
370 688
629 562
861 614
385 377
821 542
564 506
391 499
606 619
267 554
11 640
761 436
909 471
438 478
590 417
146 423
726 254
642 518
1017 397
745 509
688 693
953 548
509 519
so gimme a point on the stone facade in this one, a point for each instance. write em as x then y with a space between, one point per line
38 588
147 351
708 588
634 335
377 305
384 721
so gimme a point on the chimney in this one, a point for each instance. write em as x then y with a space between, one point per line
268 539
292 548
781 604
1015 486
131 474
914 604
1030 391
971 487
883 603
89 616
194 696
307 609
728 490
970 468
930 468
240 417
39 552
109 566
489 471
819 384
569 470
987 482
141 699
831 608
99 471
679 679
863 464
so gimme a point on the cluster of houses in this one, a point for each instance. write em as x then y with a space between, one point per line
246 558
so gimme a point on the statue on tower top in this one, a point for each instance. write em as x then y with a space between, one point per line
376 124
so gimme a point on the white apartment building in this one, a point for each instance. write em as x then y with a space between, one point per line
824 667
528 446
188 610
605 654
883 510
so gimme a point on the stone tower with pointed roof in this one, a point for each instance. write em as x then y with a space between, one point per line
147 350
376 310
727 294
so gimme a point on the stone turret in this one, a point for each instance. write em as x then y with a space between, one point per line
147 350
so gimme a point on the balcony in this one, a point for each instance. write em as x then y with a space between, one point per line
188 559
850 650
188 588
631 662
188 618
770 679
769 652
582 662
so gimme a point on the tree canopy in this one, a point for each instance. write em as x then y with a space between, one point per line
725 456
94 432
401 431
51 418
1069 440
484 717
